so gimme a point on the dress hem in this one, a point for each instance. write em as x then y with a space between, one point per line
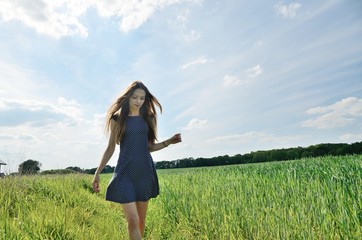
143 200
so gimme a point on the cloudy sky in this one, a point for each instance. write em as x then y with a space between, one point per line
233 76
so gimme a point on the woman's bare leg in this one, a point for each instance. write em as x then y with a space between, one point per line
142 210
130 211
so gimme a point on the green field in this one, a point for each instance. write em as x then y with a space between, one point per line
317 198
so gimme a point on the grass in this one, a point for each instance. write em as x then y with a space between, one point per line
317 198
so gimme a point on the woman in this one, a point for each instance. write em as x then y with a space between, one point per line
132 123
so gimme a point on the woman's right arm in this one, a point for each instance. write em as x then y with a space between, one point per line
106 156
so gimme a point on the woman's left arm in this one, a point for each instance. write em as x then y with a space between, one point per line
161 145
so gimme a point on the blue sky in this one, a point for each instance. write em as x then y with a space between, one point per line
232 76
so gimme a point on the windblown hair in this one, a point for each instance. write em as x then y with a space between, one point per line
119 111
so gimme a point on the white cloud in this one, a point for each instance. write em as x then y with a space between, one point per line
99 120
181 24
26 137
191 35
53 18
255 137
254 72
196 124
251 73
339 114
69 108
61 18
200 60
140 9
231 81
351 137
7 137
19 82
17 112
288 11
82 143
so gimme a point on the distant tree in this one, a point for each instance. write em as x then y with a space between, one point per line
107 169
90 171
77 169
59 171
165 164
356 148
29 167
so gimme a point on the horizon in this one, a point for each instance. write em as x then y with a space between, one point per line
232 77
261 150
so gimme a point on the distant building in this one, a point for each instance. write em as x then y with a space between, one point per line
2 163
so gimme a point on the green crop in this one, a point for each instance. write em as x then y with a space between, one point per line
316 198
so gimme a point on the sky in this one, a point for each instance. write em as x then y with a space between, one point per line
232 76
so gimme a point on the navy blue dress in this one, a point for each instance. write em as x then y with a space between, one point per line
134 178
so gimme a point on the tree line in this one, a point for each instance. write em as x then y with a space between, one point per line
324 149
107 169
333 149
31 166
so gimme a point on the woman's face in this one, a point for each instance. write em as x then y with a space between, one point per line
137 99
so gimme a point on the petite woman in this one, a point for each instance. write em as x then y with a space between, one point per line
131 122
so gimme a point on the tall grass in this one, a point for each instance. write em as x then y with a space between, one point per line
318 198
308 199
54 207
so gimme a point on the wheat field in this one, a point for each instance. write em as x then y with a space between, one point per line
316 198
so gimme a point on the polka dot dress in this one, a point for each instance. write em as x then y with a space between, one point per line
134 178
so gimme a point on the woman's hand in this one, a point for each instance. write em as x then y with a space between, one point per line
172 140
95 183
175 139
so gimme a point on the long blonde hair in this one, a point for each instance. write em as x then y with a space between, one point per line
119 111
